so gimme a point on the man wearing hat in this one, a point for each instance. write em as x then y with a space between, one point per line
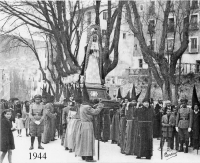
144 135
36 121
157 120
184 124
168 105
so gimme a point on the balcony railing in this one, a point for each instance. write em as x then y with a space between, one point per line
194 26
170 28
136 72
188 68
194 50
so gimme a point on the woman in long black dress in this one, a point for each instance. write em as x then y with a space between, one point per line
7 141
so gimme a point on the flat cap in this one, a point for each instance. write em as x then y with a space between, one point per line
184 100
37 96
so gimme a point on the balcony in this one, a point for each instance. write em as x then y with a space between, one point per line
194 26
187 68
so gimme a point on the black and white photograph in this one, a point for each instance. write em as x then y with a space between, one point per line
108 81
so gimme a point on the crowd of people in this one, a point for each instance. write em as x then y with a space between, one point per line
37 117
132 126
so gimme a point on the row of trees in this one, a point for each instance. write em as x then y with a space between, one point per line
59 23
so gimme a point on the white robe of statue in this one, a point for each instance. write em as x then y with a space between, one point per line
92 71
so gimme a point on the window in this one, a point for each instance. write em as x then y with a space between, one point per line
124 35
194 21
193 48
135 46
151 26
152 8
152 44
197 66
88 18
193 43
126 16
45 65
170 43
194 4
171 25
105 15
140 63
141 7
104 32
95 38
103 35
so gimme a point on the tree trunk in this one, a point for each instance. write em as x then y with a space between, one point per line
58 92
148 92
176 94
166 90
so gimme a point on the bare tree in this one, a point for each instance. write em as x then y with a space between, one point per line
59 23
110 43
162 61
50 18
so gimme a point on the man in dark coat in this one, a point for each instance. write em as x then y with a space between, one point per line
157 120
184 124
144 142
196 127
129 134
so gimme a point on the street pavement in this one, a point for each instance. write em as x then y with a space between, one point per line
55 153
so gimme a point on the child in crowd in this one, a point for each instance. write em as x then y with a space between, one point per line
6 136
168 122
19 124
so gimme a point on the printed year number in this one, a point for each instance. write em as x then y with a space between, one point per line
35 155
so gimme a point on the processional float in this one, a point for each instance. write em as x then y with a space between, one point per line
93 73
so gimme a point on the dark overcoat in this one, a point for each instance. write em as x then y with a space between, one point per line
166 129
196 126
144 135
6 135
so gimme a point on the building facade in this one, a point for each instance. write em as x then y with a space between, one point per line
20 76
131 63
